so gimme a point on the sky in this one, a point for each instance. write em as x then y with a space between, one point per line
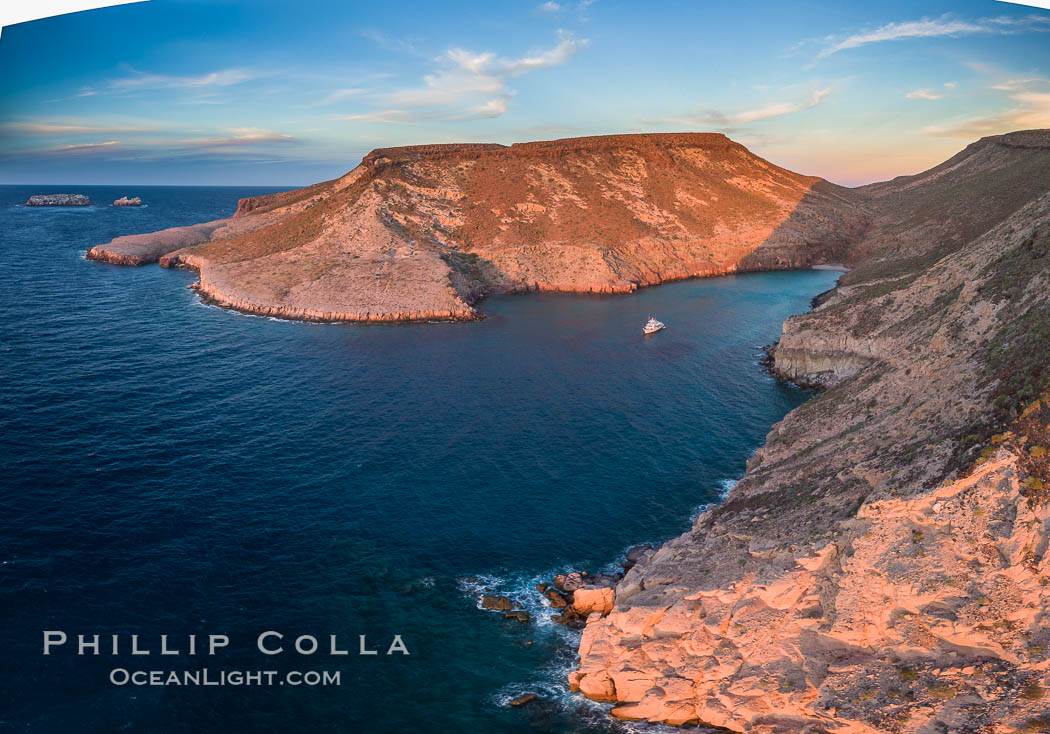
271 92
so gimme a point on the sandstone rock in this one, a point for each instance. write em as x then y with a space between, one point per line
569 618
523 699
597 686
636 555
520 616
568 582
125 201
498 603
587 600
603 580
557 600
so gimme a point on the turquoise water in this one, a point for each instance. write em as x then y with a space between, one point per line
174 468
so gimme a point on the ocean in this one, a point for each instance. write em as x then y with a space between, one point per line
173 468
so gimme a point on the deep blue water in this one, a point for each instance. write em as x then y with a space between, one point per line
173 468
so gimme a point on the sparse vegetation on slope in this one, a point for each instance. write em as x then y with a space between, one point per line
892 531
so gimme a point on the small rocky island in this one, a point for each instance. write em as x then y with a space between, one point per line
59 200
125 201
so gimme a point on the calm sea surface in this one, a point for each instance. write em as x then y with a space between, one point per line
174 468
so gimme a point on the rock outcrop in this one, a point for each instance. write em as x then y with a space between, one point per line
59 200
423 232
125 201
881 567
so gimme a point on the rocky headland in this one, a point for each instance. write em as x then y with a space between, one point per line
882 565
58 200
423 232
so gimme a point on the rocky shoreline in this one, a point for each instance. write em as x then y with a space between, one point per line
215 297
882 566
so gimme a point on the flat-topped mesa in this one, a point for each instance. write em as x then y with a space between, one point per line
58 200
630 141
435 151
1021 139
546 148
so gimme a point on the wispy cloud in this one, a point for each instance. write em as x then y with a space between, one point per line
1013 85
382 116
466 85
239 137
340 94
1028 107
86 147
389 43
583 6
730 120
550 7
142 80
923 94
159 144
936 27
64 128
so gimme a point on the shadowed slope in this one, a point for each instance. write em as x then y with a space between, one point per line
919 219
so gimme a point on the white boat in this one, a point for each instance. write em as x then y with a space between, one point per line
652 326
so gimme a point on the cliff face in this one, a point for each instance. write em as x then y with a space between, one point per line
881 566
424 231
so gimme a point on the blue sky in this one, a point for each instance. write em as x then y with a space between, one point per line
283 93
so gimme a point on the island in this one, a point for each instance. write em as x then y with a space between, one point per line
125 201
425 232
883 560
58 200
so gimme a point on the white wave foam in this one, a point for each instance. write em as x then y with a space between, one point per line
206 304
522 589
725 486
552 688
551 682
